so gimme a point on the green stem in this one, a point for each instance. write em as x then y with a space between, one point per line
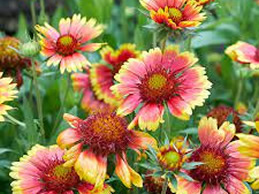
189 43
62 106
154 39
239 91
163 43
256 92
164 188
33 13
42 6
38 98
14 120
256 108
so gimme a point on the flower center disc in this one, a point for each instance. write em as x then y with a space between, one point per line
60 178
214 167
175 14
105 132
66 45
157 87
172 157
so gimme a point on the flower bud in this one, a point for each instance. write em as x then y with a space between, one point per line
30 49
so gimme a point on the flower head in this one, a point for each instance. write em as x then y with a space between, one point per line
158 79
42 171
244 53
171 157
176 14
223 165
91 141
90 102
65 47
11 62
221 113
7 93
102 75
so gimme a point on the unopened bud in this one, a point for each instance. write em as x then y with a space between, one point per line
30 49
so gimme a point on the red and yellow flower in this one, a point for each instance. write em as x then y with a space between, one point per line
244 53
224 168
222 112
177 14
158 79
7 93
90 102
91 141
102 75
249 146
64 48
41 170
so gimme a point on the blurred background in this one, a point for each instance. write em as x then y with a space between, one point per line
228 21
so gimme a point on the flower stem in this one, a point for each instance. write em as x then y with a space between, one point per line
239 91
256 108
33 13
14 120
62 106
38 98
164 188
189 43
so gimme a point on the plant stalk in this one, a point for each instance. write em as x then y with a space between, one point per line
164 188
38 98
14 120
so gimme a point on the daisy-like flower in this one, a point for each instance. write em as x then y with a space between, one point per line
222 112
7 93
91 141
41 170
102 75
90 103
177 14
159 79
249 146
11 62
244 53
65 47
224 168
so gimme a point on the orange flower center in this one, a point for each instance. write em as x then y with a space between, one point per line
215 165
105 132
59 178
66 45
175 14
157 86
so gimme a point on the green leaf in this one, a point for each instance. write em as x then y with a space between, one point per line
192 130
191 165
185 176
22 32
4 150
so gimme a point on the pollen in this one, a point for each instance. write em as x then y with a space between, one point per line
212 163
157 81
214 168
61 172
157 86
106 132
175 14
66 45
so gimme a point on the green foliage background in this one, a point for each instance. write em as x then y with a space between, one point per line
228 22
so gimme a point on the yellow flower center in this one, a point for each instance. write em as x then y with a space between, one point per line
212 163
67 45
175 14
61 172
172 157
66 40
157 81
